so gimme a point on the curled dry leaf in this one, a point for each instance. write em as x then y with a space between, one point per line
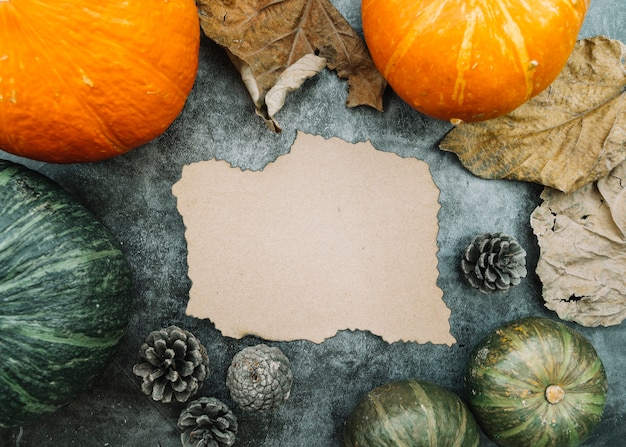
571 134
264 38
291 79
582 237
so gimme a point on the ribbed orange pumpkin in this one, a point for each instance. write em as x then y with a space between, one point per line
470 59
84 80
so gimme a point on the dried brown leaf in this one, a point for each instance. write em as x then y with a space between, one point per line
571 134
266 37
583 250
291 79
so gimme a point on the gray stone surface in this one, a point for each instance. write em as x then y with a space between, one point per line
132 195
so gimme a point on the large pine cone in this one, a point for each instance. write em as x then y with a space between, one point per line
174 365
207 422
259 378
494 261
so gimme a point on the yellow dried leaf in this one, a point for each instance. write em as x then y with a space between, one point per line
582 264
266 37
571 134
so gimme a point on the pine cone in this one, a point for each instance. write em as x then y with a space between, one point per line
174 364
207 422
493 262
259 378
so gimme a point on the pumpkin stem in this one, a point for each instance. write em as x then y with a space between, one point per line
554 394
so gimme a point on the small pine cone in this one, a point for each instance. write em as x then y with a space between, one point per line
259 378
494 262
173 365
207 422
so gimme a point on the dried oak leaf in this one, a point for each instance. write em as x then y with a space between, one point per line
582 237
284 42
571 134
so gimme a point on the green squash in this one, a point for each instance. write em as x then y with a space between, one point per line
65 296
410 413
535 382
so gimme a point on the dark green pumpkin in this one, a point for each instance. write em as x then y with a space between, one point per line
410 413
536 382
65 295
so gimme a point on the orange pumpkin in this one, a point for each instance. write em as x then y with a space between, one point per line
83 80
470 60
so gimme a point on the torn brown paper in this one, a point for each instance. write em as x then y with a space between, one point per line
331 236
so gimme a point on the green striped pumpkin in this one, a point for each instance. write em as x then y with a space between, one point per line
65 295
410 413
535 382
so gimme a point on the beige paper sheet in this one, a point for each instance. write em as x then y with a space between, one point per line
331 236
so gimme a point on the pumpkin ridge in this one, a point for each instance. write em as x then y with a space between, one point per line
25 224
566 366
401 49
22 395
464 56
5 58
546 338
589 413
64 241
382 414
513 33
426 13
569 343
520 385
580 372
119 48
586 379
30 270
425 402
514 431
93 80
562 418
531 359
37 332
42 44
464 426
75 43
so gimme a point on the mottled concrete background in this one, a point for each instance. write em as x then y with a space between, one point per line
132 195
